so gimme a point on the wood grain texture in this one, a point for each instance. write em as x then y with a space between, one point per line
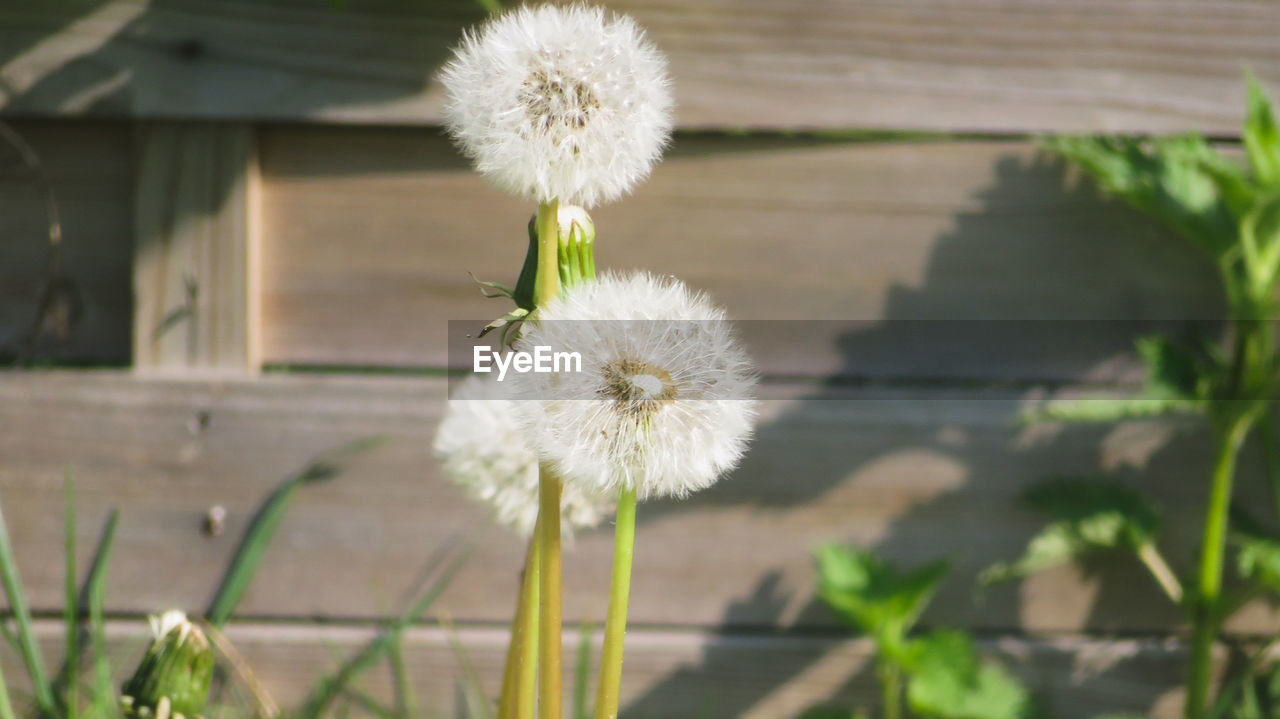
1136 65
195 272
910 475
89 169
686 675
975 260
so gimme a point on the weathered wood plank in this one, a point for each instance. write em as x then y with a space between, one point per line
89 171
674 675
953 259
196 266
912 475
1138 65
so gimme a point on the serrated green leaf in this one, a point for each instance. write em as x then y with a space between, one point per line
871 594
1258 558
1087 515
1109 410
950 681
1162 177
1173 370
1261 135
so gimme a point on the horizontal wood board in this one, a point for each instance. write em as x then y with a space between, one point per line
913 477
1083 65
673 675
973 260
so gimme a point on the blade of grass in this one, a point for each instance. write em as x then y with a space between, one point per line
104 694
369 704
71 608
26 636
6 707
265 523
582 673
330 687
478 705
405 703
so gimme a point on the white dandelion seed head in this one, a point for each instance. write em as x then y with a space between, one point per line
175 620
665 399
480 446
559 103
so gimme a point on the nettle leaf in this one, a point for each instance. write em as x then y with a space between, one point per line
1088 514
1166 178
1110 410
1177 382
1261 135
1258 558
949 680
871 594
1173 370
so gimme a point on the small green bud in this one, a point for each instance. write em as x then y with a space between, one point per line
577 240
172 681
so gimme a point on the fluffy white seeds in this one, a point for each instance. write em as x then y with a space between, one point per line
481 449
559 103
664 402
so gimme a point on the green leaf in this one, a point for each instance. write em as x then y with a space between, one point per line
263 528
31 656
871 595
330 687
1087 515
1108 410
1258 558
949 680
1261 136
1173 370
1162 177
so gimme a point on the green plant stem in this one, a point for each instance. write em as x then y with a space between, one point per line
1206 609
615 626
527 676
546 286
26 636
891 686
549 618
520 673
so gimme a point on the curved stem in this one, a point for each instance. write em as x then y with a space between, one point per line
891 686
522 655
615 627
526 689
1206 609
549 692
547 283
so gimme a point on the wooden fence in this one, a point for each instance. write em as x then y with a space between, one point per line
265 233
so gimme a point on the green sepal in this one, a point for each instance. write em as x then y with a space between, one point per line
177 666
523 293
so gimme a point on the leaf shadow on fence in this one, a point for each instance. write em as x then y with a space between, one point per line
973 367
